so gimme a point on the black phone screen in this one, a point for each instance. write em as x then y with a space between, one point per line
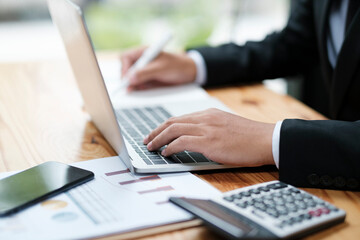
37 183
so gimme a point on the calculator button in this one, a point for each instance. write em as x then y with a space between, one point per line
319 201
279 201
298 197
291 207
297 219
289 199
294 190
269 202
236 196
325 210
286 192
332 208
301 205
287 222
229 198
318 212
264 189
311 203
306 216
254 191
245 194
243 204
306 196
251 202
268 197
315 213
282 210
260 206
277 185
276 194
272 212
270 205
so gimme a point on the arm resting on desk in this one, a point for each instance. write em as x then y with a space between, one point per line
320 154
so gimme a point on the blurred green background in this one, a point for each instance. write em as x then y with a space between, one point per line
128 23
120 24
27 33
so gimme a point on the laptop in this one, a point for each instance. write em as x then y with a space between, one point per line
124 128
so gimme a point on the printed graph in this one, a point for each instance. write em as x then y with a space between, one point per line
117 172
158 189
155 188
142 179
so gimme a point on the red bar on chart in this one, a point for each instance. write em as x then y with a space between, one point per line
117 172
159 189
142 179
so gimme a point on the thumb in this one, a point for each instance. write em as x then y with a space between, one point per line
129 58
149 73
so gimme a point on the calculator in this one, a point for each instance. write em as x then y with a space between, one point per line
270 210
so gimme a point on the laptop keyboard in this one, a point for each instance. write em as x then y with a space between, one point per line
136 123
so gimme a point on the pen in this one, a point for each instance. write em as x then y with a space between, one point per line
148 55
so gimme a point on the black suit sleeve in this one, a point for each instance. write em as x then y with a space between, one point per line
321 154
279 54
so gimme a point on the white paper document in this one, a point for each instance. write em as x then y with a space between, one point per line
110 69
116 201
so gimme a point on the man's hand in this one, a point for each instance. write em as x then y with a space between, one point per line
220 136
166 69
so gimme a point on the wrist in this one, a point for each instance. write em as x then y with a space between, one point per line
189 68
266 144
200 74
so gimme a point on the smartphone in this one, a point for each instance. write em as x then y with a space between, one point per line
38 183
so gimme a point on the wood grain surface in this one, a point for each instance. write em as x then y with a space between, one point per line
42 118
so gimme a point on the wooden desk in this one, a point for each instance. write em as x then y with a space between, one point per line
41 118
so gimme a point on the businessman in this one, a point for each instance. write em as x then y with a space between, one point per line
320 41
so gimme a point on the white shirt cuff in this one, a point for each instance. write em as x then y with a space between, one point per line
276 143
200 66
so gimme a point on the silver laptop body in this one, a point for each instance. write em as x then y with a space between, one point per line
70 22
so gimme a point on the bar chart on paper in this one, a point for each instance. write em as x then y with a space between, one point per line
141 179
116 201
156 188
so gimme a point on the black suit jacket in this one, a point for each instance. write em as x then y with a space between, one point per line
324 154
